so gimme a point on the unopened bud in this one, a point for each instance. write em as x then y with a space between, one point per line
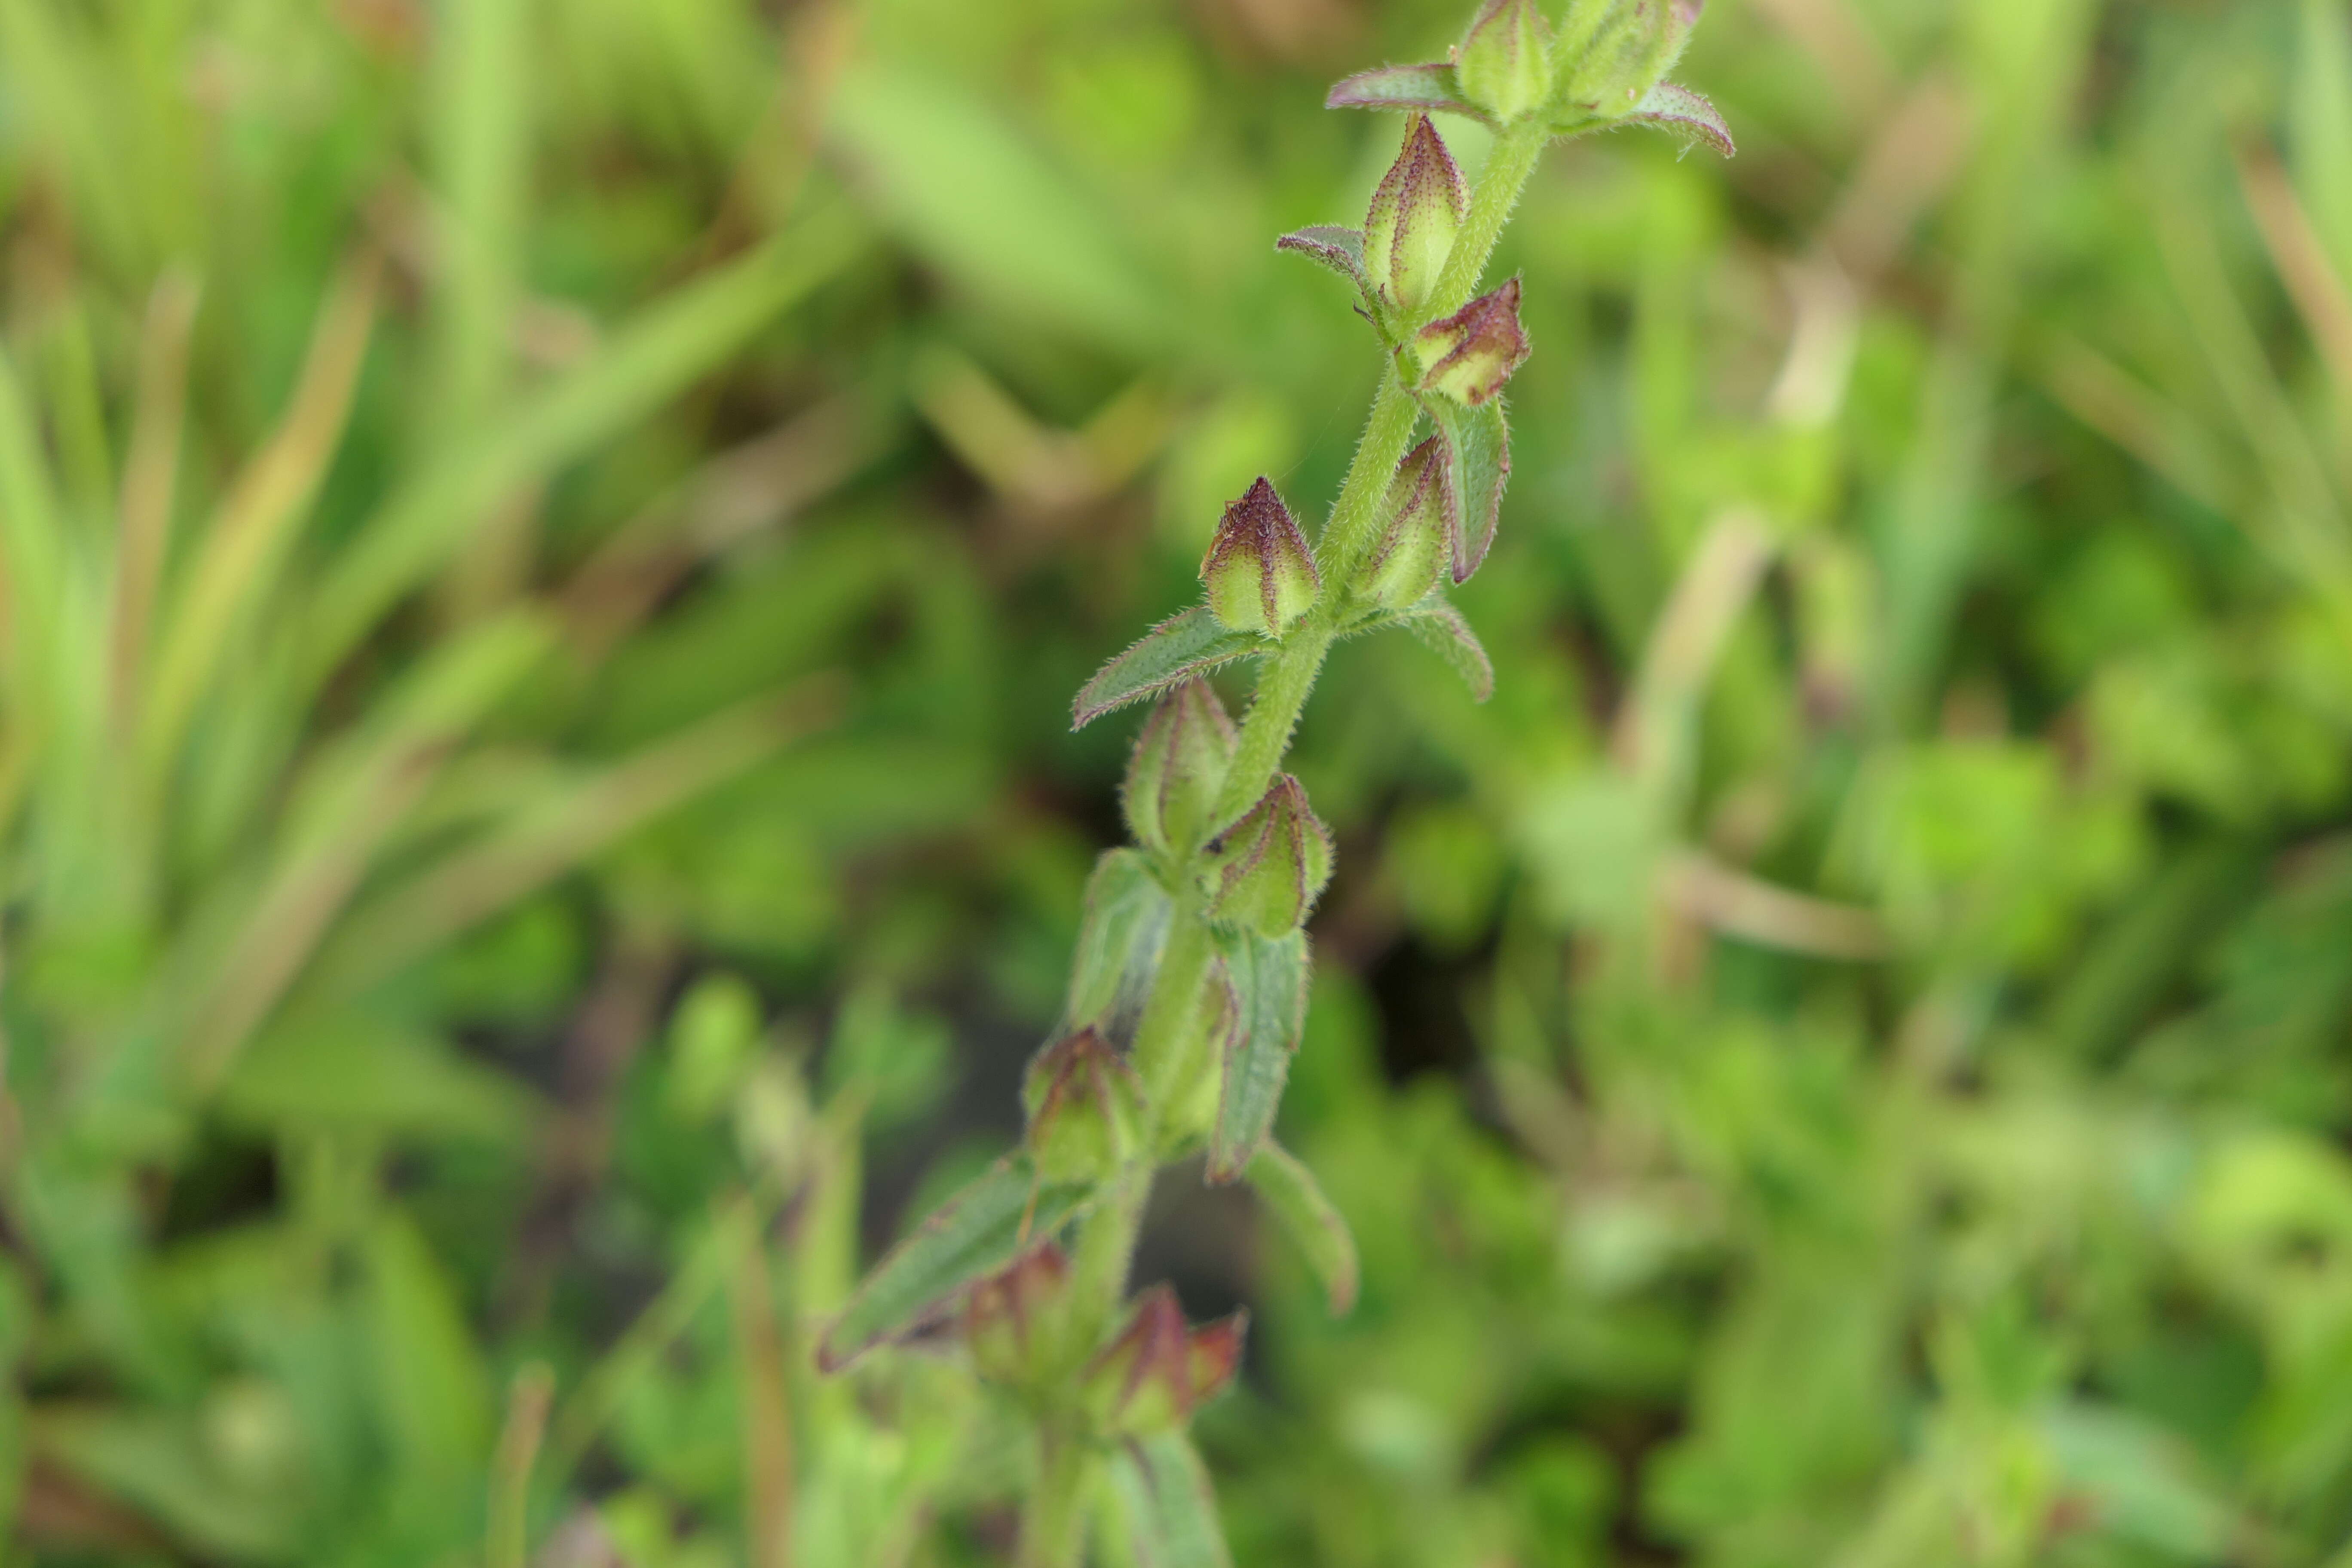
1413 547
1259 571
1086 1108
1505 63
1628 54
1416 214
1012 1320
1179 764
1158 1371
1271 865
1470 355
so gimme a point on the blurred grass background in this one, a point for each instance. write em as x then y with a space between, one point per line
546 548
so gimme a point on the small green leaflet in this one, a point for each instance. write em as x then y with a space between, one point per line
1172 1515
1267 977
1478 466
1441 628
1405 86
1340 249
1437 625
1681 112
1120 937
972 1235
1179 647
1315 1226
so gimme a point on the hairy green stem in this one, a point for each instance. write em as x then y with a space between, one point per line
1166 1041
1289 676
1054 1516
1499 184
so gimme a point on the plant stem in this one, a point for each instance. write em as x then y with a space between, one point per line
1053 1524
1289 676
1054 1518
1499 184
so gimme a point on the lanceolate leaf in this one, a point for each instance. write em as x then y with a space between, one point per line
1171 1514
1478 466
1684 113
1268 977
1405 86
1179 647
974 1234
1340 249
1318 1229
1124 924
1441 628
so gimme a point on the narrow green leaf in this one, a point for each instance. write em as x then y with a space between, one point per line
1340 249
1405 86
1313 1222
1119 938
1171 1512
1478 466
1686 115
352 1074
647 362
1441 628
970 194
975 1233
1177 648
1268 976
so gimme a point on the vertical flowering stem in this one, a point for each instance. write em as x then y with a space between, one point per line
1289 676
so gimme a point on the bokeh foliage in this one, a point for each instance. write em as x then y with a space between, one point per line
547 547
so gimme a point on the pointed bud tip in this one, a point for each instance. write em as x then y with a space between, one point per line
1259 571
1415 537
1469 355
1177 766
1416 214
1271 865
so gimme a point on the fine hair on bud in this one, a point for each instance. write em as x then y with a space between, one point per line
1085 1106
1259 571
1179 766
1271 865
1415 540
1159 1370
1416 214
1471 353
1505 63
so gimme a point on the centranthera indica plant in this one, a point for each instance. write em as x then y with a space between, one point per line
1189 989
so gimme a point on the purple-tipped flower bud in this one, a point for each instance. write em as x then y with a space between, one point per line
1158 1371
1413 546
1416 214
1259 571
1177 767
1086 1108
1270 866
1505 63
1013 1321
1470 355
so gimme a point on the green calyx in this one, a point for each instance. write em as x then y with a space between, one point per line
1505 64
1268 868
1177 767
1259 572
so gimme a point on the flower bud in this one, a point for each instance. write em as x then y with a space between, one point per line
1416 214
1179 764
1628 53
1505 63
1413 546
1260 573
1270 866
1086 1108
1158 1371
1012 1320
1470 355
